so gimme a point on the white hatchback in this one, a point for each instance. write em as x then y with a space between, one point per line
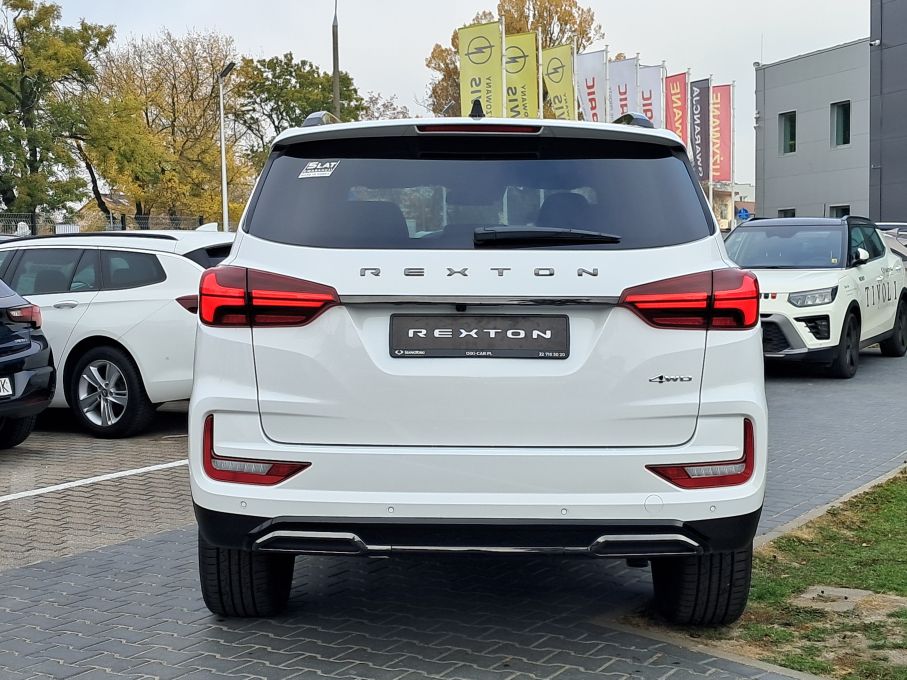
119 313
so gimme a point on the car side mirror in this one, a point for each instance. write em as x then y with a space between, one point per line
860 256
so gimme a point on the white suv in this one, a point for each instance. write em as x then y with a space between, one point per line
478 336
118 310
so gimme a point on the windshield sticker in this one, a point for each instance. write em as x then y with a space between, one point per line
318 169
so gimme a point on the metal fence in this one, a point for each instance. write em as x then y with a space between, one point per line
19 224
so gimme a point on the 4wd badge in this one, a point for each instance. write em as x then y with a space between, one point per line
318 169
661 379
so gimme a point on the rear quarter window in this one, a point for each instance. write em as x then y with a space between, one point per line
122 269
433 193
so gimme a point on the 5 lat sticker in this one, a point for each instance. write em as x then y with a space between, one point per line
318 169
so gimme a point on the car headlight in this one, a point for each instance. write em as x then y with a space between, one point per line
812 298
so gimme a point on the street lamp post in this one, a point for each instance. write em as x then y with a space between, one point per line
223 147
336 78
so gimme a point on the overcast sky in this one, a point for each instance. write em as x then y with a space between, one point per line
383 43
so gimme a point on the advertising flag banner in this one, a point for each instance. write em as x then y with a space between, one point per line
677 105
721 134
699 128
591 85
624 93
521 64
557 70
482 68
651 93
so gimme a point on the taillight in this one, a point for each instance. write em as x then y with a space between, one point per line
189 303
235 296
30 314
241 470
723 299
710 475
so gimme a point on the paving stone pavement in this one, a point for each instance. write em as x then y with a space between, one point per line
131 608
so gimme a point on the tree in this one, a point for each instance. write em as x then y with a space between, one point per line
155 129
277 93
378 107
556 21
43 66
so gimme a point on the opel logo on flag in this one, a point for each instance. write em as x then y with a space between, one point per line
555 70
515 59
479 50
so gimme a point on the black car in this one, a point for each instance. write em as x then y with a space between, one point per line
27 377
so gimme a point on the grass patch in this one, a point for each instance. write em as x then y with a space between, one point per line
860 544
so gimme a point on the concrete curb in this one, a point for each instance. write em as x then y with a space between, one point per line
682 641
822 509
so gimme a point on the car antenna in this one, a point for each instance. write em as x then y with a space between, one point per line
476 111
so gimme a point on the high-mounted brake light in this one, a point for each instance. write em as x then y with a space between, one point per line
724 299
241 470
481 127
236 296
711 475
30 314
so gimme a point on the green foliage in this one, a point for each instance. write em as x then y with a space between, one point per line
42 66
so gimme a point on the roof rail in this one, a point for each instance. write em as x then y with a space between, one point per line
320 118
634 118
133 234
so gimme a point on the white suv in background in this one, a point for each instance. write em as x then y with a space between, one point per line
119 313
478 336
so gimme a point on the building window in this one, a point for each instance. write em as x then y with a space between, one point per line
787 212
838 210
840 124
787 125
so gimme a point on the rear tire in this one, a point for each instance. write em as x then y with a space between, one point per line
847 354
240 583
14 431
703 590
896 345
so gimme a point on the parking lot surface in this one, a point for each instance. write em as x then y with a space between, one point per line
99 580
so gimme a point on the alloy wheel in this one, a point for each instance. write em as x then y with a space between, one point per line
102 393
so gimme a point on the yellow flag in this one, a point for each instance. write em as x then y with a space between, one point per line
521 64
557 70
481 68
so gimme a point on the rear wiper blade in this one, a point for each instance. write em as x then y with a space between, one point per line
503 237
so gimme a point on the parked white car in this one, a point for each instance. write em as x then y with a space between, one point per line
119 312
830 287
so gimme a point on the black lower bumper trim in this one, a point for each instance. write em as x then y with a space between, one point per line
638 538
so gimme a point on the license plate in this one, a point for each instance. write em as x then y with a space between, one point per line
6 387
533 336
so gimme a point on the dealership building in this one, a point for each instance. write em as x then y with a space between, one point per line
831 126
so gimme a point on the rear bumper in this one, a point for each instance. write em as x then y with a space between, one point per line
365 536
33 380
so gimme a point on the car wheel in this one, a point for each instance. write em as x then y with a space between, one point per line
847 354
241 583
703 590
896 345
14 431
107 395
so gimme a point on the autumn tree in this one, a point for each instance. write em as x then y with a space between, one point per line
556 21
43 67
379 107
155 135
273 94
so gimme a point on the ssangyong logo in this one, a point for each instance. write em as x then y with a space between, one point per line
479 50
514 59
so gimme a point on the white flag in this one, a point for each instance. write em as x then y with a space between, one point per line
591 83
651 94
622 76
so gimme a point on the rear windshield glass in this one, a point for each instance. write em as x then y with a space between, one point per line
787 247
406 194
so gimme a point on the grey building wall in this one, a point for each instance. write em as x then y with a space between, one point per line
888 111
818 174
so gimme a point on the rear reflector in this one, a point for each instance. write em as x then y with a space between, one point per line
724 299
481 127
240 470
711 475
30 314
235 296
189 303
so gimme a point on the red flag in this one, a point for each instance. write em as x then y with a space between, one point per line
677 110
721 133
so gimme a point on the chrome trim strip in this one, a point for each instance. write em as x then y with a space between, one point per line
338 536
659 538
475 300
